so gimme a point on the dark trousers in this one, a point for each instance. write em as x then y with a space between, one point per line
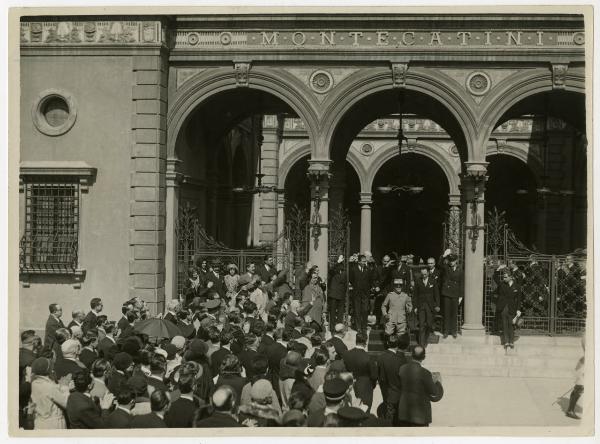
575 395
508 334
336 311
450 315
361 312
424 328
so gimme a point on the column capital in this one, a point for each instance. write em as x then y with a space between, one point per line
173 176
366 198
476 169
454 200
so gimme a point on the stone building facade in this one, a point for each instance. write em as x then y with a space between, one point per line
124 119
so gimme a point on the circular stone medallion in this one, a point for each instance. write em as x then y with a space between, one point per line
479 83
321 81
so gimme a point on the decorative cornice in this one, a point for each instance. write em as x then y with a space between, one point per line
82 170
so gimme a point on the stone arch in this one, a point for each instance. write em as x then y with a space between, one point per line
303 149
438 87
390 150
516 88
213 81
533 163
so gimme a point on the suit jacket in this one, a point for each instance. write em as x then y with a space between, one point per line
436 276
52 324
87 357
114 381
123 323
84 413
388 366
188 331
104 347
181 413
265 274
74 324
216 358
170 317
89 321
148 421
265 342
63 367
246 357
425 298
364 370
361 281
340 347
275 353
157 384
218 419
452 282
218 283
118 419
507 295
337 286
417 392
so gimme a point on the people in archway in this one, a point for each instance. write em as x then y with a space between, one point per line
452 291
231 280
361 279
426 303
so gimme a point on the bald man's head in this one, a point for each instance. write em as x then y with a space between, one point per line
418 353
224 399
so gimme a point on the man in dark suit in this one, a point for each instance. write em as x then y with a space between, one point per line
121 416
158 368
52 324
336 296
159 403
77 319
184 322
182 411
426 302
388 366
82 411
266 269
337 340
267 339
217 279
508 303
361 279
107 347
417 391
123 323
225 403
247 355
275 353
363 368
217 357
172 309
122 366
90 320
452 291
434 272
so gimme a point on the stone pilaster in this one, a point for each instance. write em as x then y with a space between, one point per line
366 201
473 187
148 180
453 240
318 173
272 127
173 182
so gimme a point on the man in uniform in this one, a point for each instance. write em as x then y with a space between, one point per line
426 301
394 309
451 293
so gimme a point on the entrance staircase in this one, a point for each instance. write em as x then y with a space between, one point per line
532 357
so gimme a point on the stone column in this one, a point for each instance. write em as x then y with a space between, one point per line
453 224
318 173
272 129
281 227
473 186
173 181
366 200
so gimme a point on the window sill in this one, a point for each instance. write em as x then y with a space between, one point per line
75 277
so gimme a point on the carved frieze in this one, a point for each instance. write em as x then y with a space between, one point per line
90 33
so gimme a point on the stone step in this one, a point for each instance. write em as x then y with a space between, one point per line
517 372
521 350
509 360
522 340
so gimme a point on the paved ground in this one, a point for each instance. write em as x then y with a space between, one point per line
491 401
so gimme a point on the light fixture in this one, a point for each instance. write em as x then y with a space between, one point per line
475 179
259 188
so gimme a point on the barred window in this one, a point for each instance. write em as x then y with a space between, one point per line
50 240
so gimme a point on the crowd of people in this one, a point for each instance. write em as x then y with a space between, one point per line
257 348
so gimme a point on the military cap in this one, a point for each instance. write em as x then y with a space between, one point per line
335 389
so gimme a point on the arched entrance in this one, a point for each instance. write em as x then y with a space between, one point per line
410 222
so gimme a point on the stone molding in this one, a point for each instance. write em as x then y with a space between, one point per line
82 170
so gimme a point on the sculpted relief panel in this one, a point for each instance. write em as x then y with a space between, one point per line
90 32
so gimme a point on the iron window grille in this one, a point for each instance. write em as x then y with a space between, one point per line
51 237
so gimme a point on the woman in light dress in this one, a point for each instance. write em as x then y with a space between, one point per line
48 398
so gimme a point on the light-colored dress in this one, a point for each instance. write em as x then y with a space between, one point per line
231 284
316 311
48 398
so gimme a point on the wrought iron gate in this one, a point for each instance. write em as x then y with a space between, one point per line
553 286
454 239
194 244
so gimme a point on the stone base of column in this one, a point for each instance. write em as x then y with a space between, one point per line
473 330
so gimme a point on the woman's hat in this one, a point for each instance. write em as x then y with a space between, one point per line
41 367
